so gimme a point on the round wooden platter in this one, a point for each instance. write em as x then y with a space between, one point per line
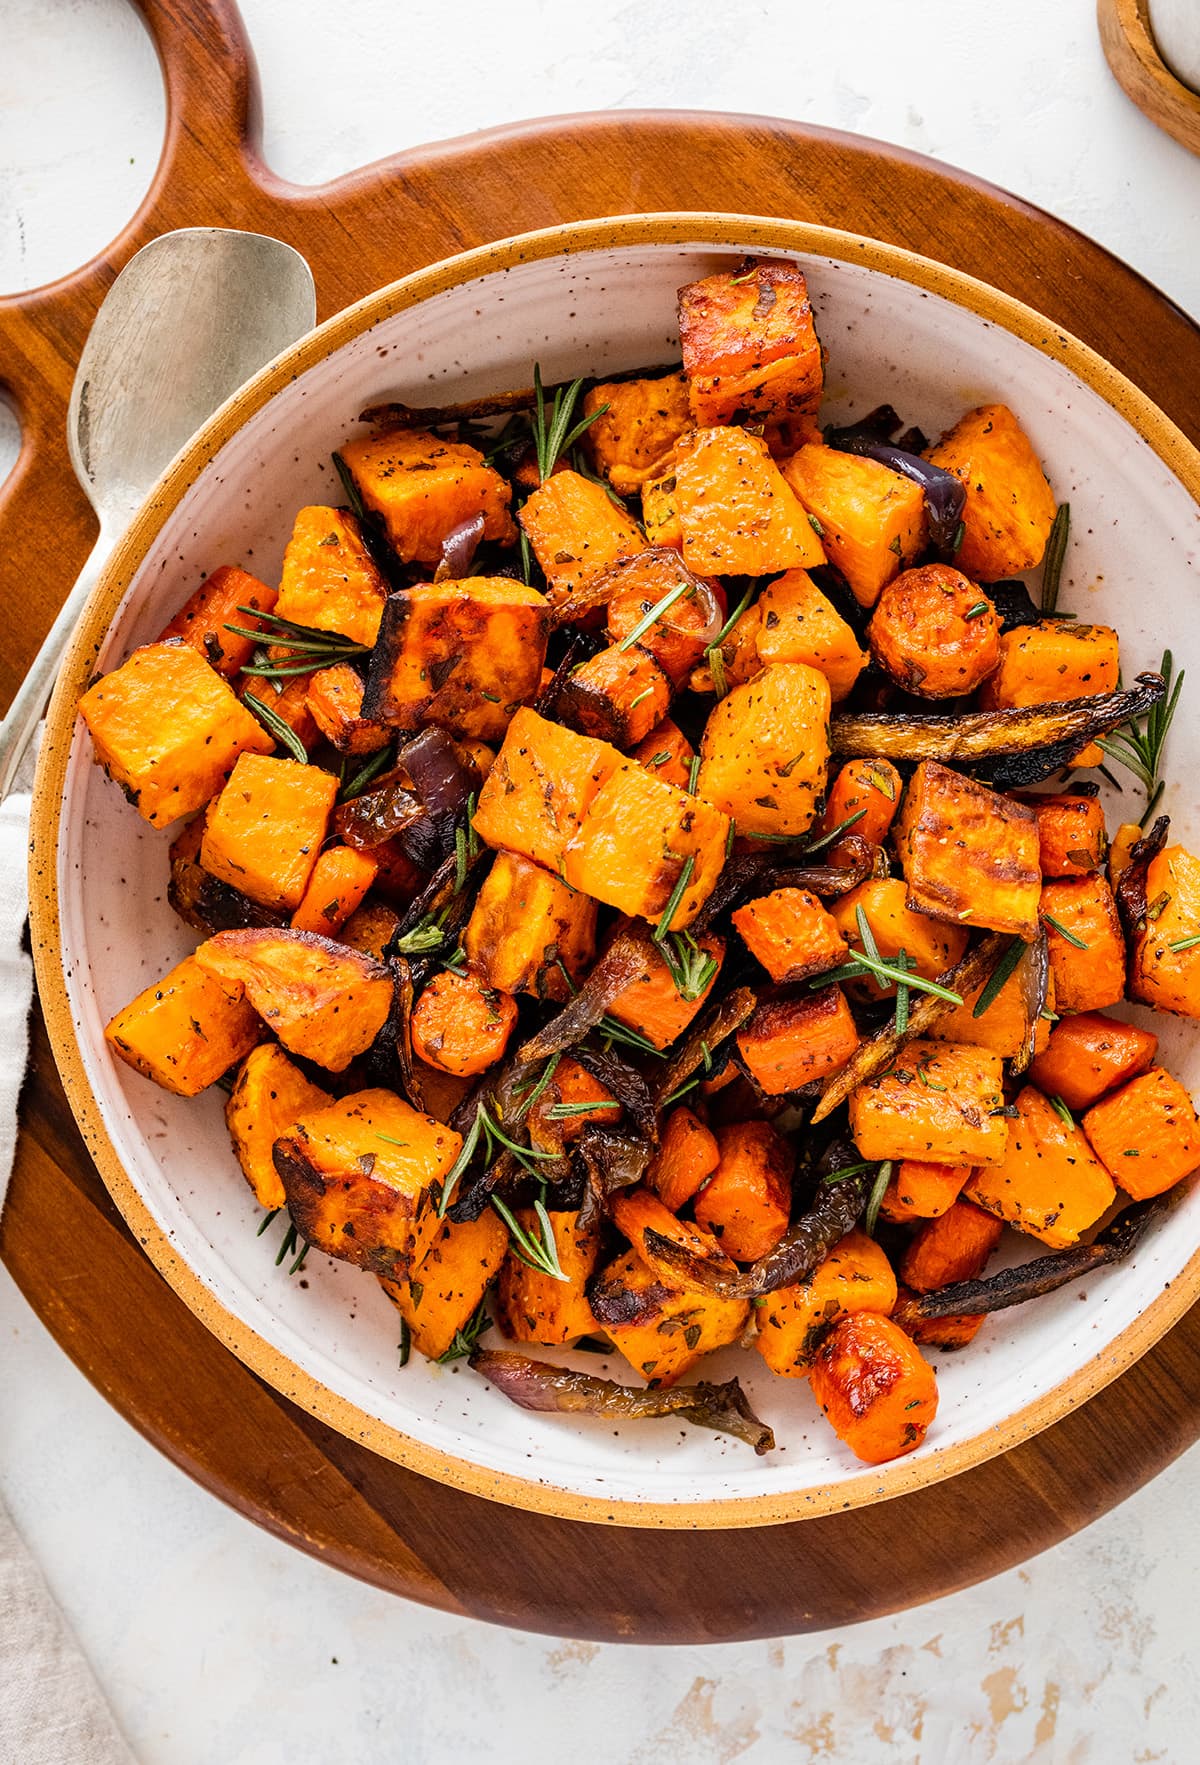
60 1234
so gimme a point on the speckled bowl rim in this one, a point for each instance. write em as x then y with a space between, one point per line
902 1476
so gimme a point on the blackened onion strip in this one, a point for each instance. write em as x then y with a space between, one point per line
804 1245
945 494
704 1038
618 968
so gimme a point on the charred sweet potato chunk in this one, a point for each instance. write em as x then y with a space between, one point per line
968 853
1056 660
638 837
765 750
337 887
460 1025
797 623
791 933
535 1307
1010 507
370 928
1072 840
871 520
1048 1183
464 655
265 830
576 531
442 1293
269 1098
677 637
323 1000
168 729
938 1102
790 1042
528 932
666 753
935 632
572 1101
653 1005
874 1387
633 438
544 780
1146 1134
616 696
1165 969
185 1030
424 487
856 1276
953 1246
362 1178
931 944
329 579
1088 963
747 1202
750 348
1088 1055
216 604
335 698
687 1154
922 1191
863 799
737 514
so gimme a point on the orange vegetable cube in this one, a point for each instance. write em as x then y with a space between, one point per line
686 1155
747 1202
1088 1055
874 1386
528 932
1048 1183
1010 507
329 580
337 887
663 1330
871 519
370 928
791 1042
1146 1134
954 1246
323 1000
269 1098
443 1292
544 780
571 1102
750 348
1003 1026
461 1026
335 698
1072 840
576 531
667 753
938 1102
631 440
921 1191
217 603
677 638
1161 975
1056 660
185 1030
935 632
652 1004
659 519
856 1276
1088 964
765 750
931 944
797 623
535 1307
737 514
265 830
287 700
638 838
616 696
969 854
425 487
869 790
791 933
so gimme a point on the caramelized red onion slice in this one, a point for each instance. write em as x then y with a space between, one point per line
458 550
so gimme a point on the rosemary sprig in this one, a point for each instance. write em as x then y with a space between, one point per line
532 1092
1060 928
464 1339
1139 746
862 965
540 1252
353 494
688 1085
691 968
848 1170
550 440
404 1346
523 1154
466 1154
1060 1109
614 1031
712 655
1184 943
677 894
303 648
275 725
660 607
834 834
559 1112
378 762
1055 554
429 933
1005 968
266 1220
875 1200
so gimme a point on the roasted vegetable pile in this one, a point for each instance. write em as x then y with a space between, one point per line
627 917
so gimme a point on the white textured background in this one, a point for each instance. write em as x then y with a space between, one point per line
216 1644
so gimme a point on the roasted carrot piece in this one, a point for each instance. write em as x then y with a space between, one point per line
425 487
323 1000
576 531
571 1089
687 1154
202 620
871 520
790 1042
750 348
264 832
653 1005
875 1387
1072 840
335 698
1003 1025
949 1333
797 623
616 696
1010 507
921 1191
765 750
677 638
868 789
370 928
931 944
1088 963
1055 660
544 779
736 512
169 764
443 1292
630 440
528 932
1088 1055
268 1099
935 632
536 1307
969 854
329 579
460 1025
938 1103
747 1202
662 1328
666 753
791 933
954 1246
185 1030
856 1276
1048 1183
637 840
1165 970
287 700
1146 1134
337 887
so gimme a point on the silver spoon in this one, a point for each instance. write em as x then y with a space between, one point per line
190 318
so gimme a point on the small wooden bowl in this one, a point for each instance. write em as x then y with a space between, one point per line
1139 68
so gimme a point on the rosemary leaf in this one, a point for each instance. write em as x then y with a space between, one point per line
1055 554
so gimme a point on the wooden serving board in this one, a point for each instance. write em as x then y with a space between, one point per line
61 1236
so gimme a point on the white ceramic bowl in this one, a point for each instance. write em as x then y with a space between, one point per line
581 300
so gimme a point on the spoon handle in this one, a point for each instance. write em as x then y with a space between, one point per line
29 704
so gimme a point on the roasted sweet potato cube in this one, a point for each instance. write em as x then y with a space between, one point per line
1087 956
335 698
874 1387
1048 1183
202 901
750 348
687 1154
203 619
871 520
1003 1025
1056 660
938 1101
362 1178
653 1005
922 1191
790 1042
571 1102
370 928
443 1292
616 696
287 700
1010 507
337 887
168 729
576 531
863 800
543 782
1072 840
953 1246
791 933
765 750
638 838
1146 1134
677 637
460 1025
424 487
737 514
1088 1055
535 1307
634 437
856 1276
931 944
185 1030
660 522
797 623
1165 969
329 579
969 854
935 632
323 1000
464 655
528 932
666 753
265 830
270 1096
747 1202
